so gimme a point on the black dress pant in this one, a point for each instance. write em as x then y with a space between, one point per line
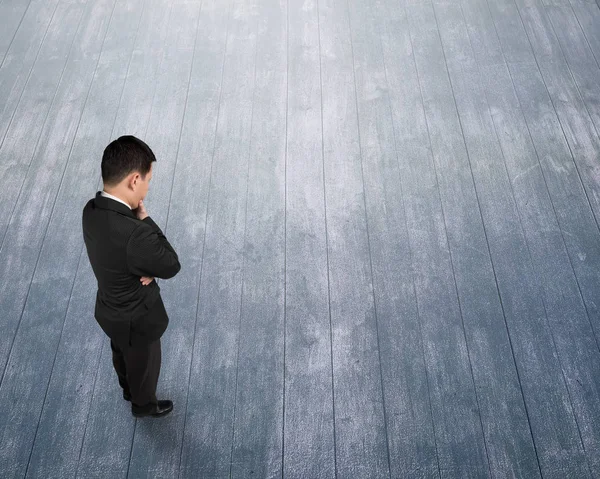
138 368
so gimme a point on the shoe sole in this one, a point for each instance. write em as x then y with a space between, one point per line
160 414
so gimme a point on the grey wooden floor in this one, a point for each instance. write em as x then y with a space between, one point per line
387 217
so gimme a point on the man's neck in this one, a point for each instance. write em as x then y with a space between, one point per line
117 195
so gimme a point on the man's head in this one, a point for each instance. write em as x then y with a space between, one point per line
127 169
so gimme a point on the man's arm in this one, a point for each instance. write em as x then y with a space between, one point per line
150 254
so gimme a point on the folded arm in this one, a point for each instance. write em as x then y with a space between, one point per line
150 254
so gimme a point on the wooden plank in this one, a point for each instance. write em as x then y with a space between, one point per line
482 32
582 65
572 40
33 315
108 437
576 123
537 29
573 213
588 85
11 17
509 29
409 421
210 413
142 78
577 347
361 438
185 225
505 421
579 57
20 56
309 439
157 444
257 448
573 210
576 344
470 267
66 405
549 3
577 105
592 4
545 26
588 15
553 423
30 118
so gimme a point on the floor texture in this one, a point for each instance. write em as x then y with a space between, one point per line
387 217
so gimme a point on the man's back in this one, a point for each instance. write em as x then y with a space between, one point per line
121 248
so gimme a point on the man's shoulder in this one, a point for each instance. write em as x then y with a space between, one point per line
89 205
92 215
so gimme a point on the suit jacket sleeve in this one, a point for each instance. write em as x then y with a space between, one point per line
150 254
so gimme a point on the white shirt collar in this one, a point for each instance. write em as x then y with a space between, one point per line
108 195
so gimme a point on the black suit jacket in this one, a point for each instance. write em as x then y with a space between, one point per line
121 249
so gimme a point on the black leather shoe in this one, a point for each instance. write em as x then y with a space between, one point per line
126 396
163 408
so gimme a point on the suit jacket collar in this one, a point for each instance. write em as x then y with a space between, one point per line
110 204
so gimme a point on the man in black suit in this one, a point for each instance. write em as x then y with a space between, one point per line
127 250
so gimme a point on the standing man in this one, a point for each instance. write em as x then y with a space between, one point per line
127 250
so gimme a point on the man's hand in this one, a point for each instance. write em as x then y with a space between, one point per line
140 211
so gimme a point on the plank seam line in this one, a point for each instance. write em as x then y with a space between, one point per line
173 183
364 195
205 228
583 32
237 360
430 156
441 43
287 101
15 34
496 278
410 248
327 245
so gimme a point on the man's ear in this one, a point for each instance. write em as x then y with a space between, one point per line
133 180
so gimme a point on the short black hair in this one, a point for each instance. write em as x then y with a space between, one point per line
123 156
